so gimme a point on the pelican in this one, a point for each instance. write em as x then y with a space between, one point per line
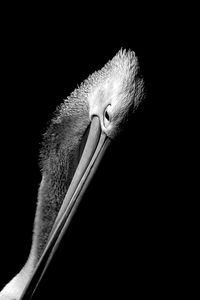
78 136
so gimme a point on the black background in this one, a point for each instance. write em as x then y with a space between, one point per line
122 239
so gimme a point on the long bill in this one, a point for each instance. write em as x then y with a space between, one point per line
97 143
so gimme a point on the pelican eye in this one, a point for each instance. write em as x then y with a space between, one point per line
107 116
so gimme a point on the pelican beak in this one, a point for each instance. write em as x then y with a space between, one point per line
96 144
95 147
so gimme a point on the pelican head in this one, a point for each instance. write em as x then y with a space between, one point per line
73 145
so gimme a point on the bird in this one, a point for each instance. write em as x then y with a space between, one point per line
82 128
